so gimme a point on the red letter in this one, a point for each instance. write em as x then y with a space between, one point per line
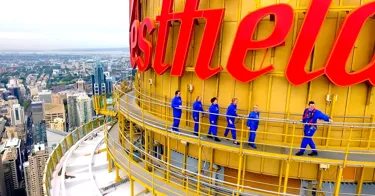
187 18
336 62
144 45
305 42
161 45
244 39
133 10
134 52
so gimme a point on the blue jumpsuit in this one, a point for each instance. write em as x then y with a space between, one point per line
231 115
177 112
253 123
214 111
311 116
197 107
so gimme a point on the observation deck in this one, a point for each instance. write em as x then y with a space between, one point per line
180 178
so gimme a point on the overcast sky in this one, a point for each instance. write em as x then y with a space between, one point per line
63 24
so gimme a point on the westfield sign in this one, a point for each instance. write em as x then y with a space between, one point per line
281 14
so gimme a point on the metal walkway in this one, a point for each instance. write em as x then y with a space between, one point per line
336 157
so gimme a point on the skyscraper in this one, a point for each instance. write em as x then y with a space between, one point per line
2 180
37 110
16 91
99 81
18 115
84 109
108 85
72 111
34 170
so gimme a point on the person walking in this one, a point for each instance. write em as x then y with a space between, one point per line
310 118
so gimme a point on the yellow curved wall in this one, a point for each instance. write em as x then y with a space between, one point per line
275 95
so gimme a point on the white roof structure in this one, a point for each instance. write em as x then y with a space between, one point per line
86 171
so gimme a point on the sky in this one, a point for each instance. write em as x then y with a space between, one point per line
63 24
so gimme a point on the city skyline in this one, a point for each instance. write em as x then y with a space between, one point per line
60 25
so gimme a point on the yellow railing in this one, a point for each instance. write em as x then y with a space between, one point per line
289 138
63 147
179 178
154 115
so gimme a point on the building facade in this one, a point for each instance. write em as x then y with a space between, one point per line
53 111
57 99
80 85
84 109
37 112
18 115
35 169
73 119
98 81
45 96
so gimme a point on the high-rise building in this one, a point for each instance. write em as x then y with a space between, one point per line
2 180
37 110
72 111
45 96
12 160
18 115
84 109
26 170
80 85
34 170
98 80
57 98
58 124
8 179
16 91
53 111
12 100
40 134
109 85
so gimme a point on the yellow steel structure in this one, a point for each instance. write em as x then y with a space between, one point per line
350 107
144 113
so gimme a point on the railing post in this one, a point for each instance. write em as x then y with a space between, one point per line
146 148
240 163
320 183
168 156
338 181
153 179
199 169
291 143
286 176
371 132
360 182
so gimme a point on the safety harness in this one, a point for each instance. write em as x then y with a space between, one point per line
306 116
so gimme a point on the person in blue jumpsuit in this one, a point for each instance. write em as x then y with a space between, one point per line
231 117
177 112
310 117
252 124
214 111
198 108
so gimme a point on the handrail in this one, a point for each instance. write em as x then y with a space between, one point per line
187 174
266 119
263 112
189 132
62 148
